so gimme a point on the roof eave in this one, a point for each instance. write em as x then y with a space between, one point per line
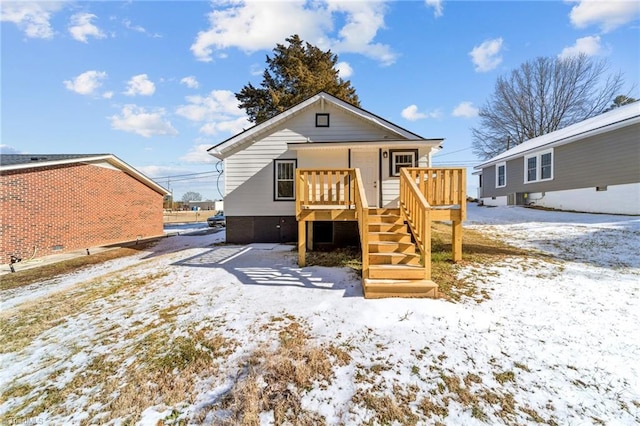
559 142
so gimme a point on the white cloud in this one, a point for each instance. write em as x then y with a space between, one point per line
589 46
31 17
465 109
256 69
81 27
487 56
437 6
608 15
411 113
199 154
140 85
107 95
190 82
249 26
86 83
363 20
228 126
138 28
8 149
135 119
218 111
344 70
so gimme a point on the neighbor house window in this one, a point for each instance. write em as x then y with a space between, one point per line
322 120
284 180
538 167
501 175
400 159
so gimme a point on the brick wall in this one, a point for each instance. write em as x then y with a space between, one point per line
63 208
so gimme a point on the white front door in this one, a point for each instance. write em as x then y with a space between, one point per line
367 162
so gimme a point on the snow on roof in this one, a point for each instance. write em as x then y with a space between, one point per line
619 117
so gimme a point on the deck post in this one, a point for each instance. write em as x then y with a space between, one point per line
456 240
302 243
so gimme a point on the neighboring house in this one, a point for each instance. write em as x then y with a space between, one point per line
54 203
323 132
591 166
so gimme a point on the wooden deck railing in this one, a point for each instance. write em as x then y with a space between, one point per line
415 209
442 186
323 187
362 214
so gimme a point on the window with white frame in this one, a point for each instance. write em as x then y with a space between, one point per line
501 175
284 180
400 159
538 167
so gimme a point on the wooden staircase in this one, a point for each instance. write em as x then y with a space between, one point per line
395 269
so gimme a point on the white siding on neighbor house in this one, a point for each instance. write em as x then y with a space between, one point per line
249 186
494 201
617 199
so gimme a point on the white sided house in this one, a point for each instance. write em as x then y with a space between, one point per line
323 132
591 166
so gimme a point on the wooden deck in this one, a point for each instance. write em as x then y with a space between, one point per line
395 242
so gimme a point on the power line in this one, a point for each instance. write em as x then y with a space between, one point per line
188 174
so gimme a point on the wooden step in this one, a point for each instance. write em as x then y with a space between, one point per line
386 218
377 288
388 227
394 259
384 211
389 236
397 272
391 246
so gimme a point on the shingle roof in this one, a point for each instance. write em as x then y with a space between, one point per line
16 159
27 161
622 116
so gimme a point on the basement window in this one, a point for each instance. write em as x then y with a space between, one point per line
322 120
601 188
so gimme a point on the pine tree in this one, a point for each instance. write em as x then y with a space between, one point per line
294 73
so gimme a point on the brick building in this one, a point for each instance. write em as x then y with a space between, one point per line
56 203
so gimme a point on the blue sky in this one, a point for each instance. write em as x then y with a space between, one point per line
152 81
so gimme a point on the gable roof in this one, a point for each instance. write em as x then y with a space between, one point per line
30 161
223 148
608 121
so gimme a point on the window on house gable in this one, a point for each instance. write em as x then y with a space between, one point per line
400 159
322 120
538 167
501 175
284 180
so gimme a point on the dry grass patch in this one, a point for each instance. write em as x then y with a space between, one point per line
46 272
275 379
349 257
21 325
386 410
158 369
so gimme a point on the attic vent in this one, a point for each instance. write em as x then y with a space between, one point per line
322 120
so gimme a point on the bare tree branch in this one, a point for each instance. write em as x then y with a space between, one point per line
541 96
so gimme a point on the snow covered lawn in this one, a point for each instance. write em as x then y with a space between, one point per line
211 334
